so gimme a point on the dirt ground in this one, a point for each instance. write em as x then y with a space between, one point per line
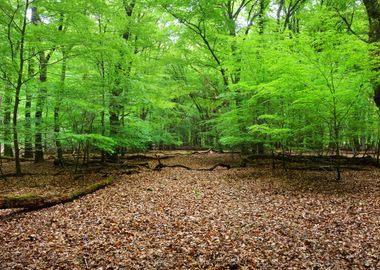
241 218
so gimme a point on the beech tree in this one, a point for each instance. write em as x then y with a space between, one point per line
373 11
266 76
15 61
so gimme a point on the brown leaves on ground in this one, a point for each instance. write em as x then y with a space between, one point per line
251 218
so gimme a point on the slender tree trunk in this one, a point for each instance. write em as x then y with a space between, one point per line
42 92
8 151
338 163
39 155
115 108
278 14
103 117
18 89
261 23
57 109
378 154
123 149
336 140
28 153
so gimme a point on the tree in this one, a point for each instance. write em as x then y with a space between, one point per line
373 11
280 76
16 31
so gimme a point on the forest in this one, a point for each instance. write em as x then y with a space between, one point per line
189 134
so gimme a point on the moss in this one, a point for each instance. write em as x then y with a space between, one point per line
32 201
20 197
91 188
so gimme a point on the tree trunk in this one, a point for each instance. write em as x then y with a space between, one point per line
39 155
18 89
56 132
373 11
28 153
378 154
336 136
57 109
8 152
263 6
42 92
115 108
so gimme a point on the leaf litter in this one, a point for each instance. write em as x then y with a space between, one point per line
242 218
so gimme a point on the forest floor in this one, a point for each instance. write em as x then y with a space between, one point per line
238 218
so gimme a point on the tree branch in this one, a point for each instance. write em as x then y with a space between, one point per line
349 28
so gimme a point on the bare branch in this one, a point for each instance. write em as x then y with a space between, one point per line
11 17
202 34
349 28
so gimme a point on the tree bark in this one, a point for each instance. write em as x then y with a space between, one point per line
42 93
373 11
28 153
116 107
57 109
18 89
39 153
8 151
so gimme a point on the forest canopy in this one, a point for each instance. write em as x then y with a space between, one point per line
112 76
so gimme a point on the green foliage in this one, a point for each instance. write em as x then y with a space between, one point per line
203 73
95 140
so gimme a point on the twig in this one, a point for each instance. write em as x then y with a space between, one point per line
85 261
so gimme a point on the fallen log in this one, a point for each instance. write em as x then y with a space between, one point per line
325 168
202 152
22 159
135 165
185 153
160 166
140 157
33 174
321 160
32 201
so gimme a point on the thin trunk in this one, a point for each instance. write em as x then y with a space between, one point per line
336 140
39 156
263 7
338 163
57 108
284 158
115 108
77 158
28 123
86 154
123 149
18 89
103 123
378 154
41 97
8 152
101 67
278 15
56 132
28 96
